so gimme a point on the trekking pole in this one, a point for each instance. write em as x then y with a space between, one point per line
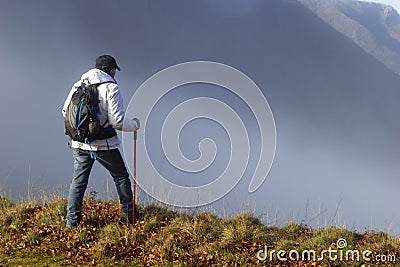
134 176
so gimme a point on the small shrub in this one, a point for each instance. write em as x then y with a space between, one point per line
5 203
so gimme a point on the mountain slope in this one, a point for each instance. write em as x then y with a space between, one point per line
374 27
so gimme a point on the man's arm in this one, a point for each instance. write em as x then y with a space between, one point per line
116 113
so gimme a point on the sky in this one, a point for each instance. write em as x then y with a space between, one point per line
326 163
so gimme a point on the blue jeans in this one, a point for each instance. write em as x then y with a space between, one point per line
83 163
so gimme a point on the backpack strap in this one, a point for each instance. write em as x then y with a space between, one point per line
87 83
104 123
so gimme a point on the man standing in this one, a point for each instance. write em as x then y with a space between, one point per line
111 115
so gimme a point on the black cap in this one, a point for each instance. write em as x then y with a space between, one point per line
106 63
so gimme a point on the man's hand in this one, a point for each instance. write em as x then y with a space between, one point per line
137 122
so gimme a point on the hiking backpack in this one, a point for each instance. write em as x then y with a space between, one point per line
81 122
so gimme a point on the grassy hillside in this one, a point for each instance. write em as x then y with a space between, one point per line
34 235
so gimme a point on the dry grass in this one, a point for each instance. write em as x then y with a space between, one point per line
34 235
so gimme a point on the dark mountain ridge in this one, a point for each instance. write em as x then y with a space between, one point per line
372 26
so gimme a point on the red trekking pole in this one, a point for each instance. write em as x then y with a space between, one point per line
134 176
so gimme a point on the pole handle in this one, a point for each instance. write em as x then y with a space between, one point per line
135 135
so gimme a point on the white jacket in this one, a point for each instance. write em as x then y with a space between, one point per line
110 108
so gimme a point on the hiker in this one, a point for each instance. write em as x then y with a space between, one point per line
104 149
